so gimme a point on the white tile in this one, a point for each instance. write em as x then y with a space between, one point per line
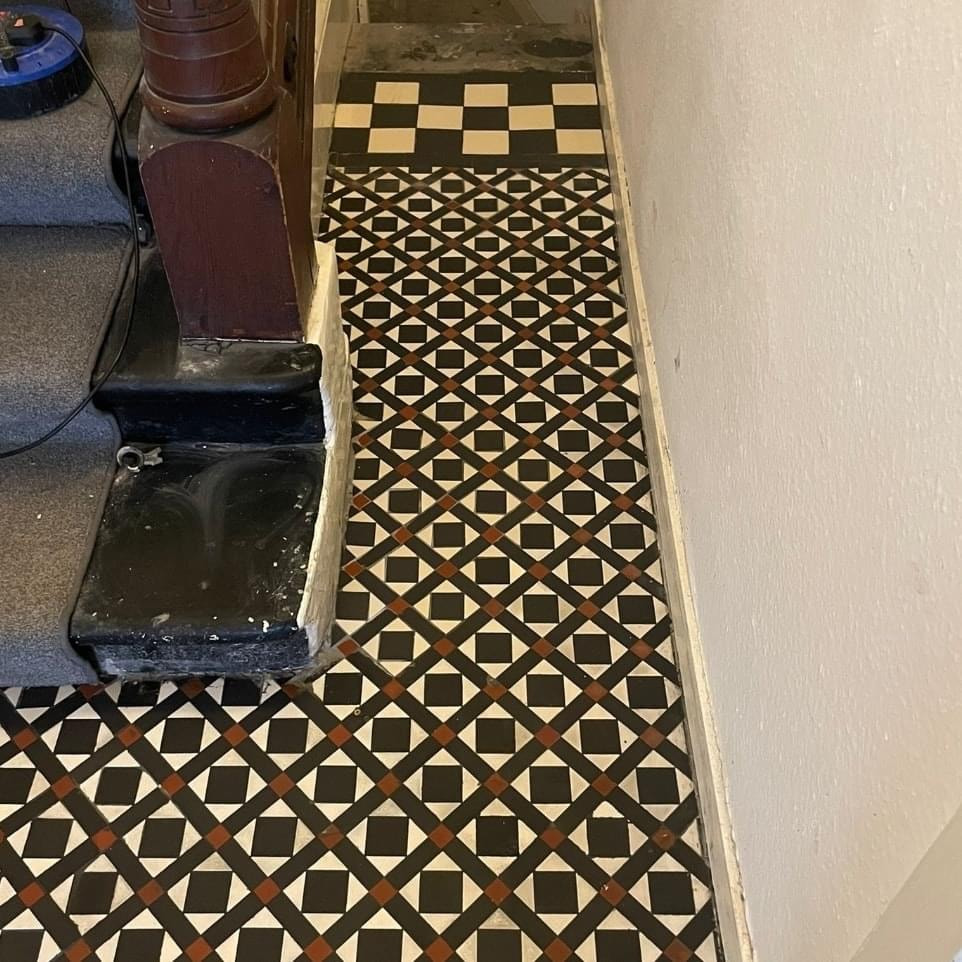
575 95
486 142
580 142
485 95
440 117
531 117
392 140
353 115
393 92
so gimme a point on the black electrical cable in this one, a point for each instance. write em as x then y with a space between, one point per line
134 260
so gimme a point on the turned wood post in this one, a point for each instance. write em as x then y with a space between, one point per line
225 160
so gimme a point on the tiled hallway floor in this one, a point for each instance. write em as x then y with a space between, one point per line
497 769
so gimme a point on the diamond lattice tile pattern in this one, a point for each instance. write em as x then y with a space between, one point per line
496 771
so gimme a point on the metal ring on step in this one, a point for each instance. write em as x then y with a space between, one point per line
130 458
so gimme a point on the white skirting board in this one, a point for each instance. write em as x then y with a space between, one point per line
703 742
324 328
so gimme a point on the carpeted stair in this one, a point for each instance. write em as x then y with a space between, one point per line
64 245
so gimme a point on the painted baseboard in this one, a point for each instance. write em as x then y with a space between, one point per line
703 742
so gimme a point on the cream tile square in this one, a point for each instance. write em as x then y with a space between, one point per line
580 142
531 117
353 115
486 142
392 140
438 117
485 95
575 95
395 92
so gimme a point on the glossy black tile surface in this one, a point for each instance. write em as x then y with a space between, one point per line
203 557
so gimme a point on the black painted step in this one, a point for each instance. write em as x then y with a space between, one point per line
166 389
201 563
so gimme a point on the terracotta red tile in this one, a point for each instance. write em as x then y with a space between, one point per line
281 784
664 838
339 735
318 950
492 535
103 839
441 836
577 470
444 734
631 572
90 691
63 786
535 502
601 333
495 783
398 606
361 501
405 470
31 894
439 951
495 690
172 784
488 358
150 892
497 891
532 441
450 333
609 384
582 536
558 951
612 892
446 569
547 736
652 737
444 646
402 536
389 783
198 950
348 646
493 607
267 891
409 413
562 309
411 359
452 286
529 384
447 502
393 689
488 309
383 892
490 469
616 440
78 951
642 649
449 440
192 687
24 737
353 568
603 785
553 837
539 571
543 647
331 836
235 735
677 951
565 357
218 836
588 608
595 691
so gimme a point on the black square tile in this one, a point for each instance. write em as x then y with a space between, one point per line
440 892
20 945
550 784
241 692
78 736
545 691
391 734
657 785
636 610
555 893
387 835
274 836
208 892
493 648
500 945
162 838
671 893
617 945
441 783
497 835
335 783
380 945
227 785
647 691
608 838
144 945
47 838
396 645
260 945
600 736
343 688
15 784
182 736
447 606
495 736
287 736
326 891
443 690
91 893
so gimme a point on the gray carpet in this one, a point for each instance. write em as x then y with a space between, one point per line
55 169
51 498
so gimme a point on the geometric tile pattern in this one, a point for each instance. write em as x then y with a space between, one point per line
497 770
450 119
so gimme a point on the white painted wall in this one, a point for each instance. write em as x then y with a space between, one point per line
796 180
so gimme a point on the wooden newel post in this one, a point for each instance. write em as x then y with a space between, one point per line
225 155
